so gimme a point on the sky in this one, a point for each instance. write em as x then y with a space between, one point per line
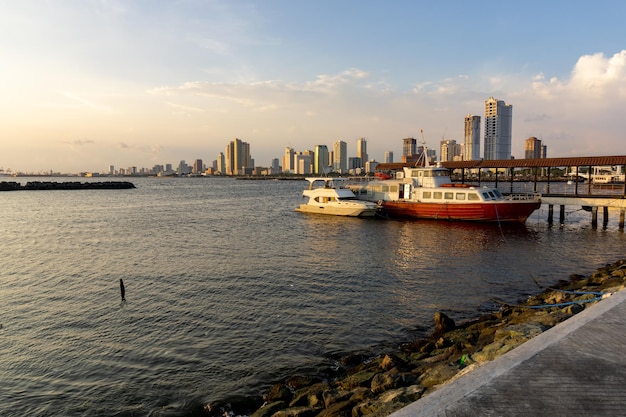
85 84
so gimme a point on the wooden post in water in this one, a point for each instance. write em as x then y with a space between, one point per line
622 214
550 214
562 215
594 217
605 219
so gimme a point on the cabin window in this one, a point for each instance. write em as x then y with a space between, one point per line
448 196
473 196
460 196
492 195
497 193
486 196
426 194
437 195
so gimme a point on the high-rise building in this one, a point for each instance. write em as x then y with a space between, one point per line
449 149
196 168
532 148
409 147
320 160
361 151
221 164
340 156
288 160
498 128
388 157
472 138
238 159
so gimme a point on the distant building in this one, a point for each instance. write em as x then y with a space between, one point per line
275 166
471 151
354 163
302 163
409 147
320 160
237 158
498 129
197 167
533 149
221 164
449 149
288 160
361 151
340 156
388 157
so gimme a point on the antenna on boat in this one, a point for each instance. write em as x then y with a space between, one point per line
424 154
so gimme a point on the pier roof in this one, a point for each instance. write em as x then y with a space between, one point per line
520 163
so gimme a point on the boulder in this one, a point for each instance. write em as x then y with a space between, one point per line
443 323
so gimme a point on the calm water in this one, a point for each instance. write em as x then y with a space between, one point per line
228 289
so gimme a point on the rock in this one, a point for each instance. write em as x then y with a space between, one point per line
279 392
340 409
524 331
311 396
384 382
268 410
334 395
296 412
443 323
360 379
438 374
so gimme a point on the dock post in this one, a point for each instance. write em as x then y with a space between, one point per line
550 214
605 218
594 217
562 215
622 213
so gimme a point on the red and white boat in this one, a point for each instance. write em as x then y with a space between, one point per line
427 192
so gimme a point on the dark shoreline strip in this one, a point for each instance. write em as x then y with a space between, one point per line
66 185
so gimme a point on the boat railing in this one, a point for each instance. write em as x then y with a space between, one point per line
523 196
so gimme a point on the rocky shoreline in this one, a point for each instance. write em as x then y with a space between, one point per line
364 386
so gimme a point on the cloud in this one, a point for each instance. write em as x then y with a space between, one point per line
80 142
85 102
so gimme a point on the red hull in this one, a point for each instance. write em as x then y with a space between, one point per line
494 211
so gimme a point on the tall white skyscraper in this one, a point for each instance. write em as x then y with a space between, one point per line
361 151
472 138
340 156
498 128
388 157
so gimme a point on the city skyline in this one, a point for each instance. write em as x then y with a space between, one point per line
91 83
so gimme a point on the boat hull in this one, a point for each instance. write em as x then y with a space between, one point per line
338 211
493 211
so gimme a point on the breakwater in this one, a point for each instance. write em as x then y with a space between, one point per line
362 385
65 185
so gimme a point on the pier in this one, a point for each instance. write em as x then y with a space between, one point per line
506 172
589 196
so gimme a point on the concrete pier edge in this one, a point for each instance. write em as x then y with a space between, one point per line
477 376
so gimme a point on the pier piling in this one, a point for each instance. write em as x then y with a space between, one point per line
562 215
550 214
594 217
622 213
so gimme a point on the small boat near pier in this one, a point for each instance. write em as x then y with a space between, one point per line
331 196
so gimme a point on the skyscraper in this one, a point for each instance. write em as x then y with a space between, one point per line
472 138
340 156
388 157
533 149
320 164
238 157
409 147
498 128
449 149
361 151
288 160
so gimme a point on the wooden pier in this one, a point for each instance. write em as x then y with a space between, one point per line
506 172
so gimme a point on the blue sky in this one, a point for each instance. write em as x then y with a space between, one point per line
86 84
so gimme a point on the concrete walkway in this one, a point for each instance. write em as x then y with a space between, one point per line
577 368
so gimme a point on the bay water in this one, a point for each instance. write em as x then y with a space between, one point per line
228 290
